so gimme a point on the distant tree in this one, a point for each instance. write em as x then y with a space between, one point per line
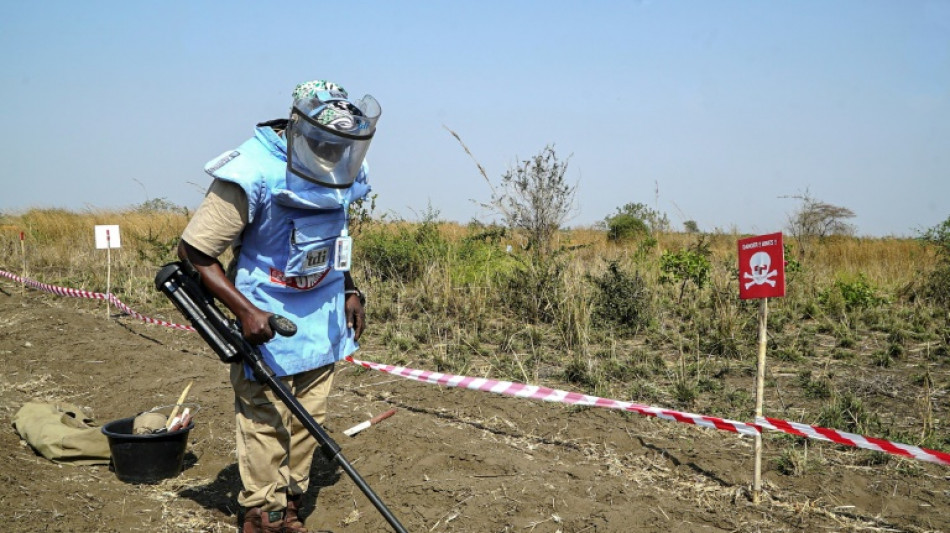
534 197
633 220
815 219
622 227
691 226
160 205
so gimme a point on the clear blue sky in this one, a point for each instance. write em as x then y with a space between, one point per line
706 110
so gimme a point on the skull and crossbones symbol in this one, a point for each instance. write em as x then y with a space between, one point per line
760 262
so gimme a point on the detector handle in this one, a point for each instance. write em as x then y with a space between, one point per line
282 325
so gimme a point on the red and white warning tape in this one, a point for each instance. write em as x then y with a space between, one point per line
118 303
62 291
857 441
75 293
521 390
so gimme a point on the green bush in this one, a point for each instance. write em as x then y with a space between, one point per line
621 300
389 256
534 288
935 285
624 227
635 220
480 257
854 294
400 255
683 267
939 236
792 265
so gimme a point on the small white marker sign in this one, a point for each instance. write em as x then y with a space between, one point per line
107 237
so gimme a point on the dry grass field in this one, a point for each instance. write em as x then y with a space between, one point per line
859 343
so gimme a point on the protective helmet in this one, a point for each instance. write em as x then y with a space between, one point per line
329 134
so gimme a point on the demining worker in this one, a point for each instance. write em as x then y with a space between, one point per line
280 200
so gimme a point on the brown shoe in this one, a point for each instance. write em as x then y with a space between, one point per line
292 521
257 521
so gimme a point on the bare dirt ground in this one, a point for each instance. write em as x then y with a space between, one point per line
449 460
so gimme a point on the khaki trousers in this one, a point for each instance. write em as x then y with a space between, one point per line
274 449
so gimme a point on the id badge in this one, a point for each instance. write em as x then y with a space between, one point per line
341 259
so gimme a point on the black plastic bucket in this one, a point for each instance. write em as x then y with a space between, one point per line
145 458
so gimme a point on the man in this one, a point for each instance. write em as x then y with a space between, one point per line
280 200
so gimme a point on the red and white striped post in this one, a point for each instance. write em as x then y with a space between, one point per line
24 273
109 275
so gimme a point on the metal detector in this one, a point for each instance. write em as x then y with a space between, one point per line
225 338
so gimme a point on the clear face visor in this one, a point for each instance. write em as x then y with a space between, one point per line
328 137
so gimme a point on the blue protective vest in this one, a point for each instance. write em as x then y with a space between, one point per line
285 264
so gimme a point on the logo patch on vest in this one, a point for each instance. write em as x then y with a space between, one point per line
302 283
317 259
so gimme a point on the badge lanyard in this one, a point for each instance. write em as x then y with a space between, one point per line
344 243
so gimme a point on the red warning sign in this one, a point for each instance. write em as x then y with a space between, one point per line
761 267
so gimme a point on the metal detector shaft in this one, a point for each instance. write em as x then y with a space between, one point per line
226 340
328 446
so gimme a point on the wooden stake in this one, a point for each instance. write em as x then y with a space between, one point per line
181 400
759 396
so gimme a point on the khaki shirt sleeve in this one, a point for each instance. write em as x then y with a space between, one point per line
219 220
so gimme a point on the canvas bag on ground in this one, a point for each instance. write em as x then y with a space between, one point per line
61 433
